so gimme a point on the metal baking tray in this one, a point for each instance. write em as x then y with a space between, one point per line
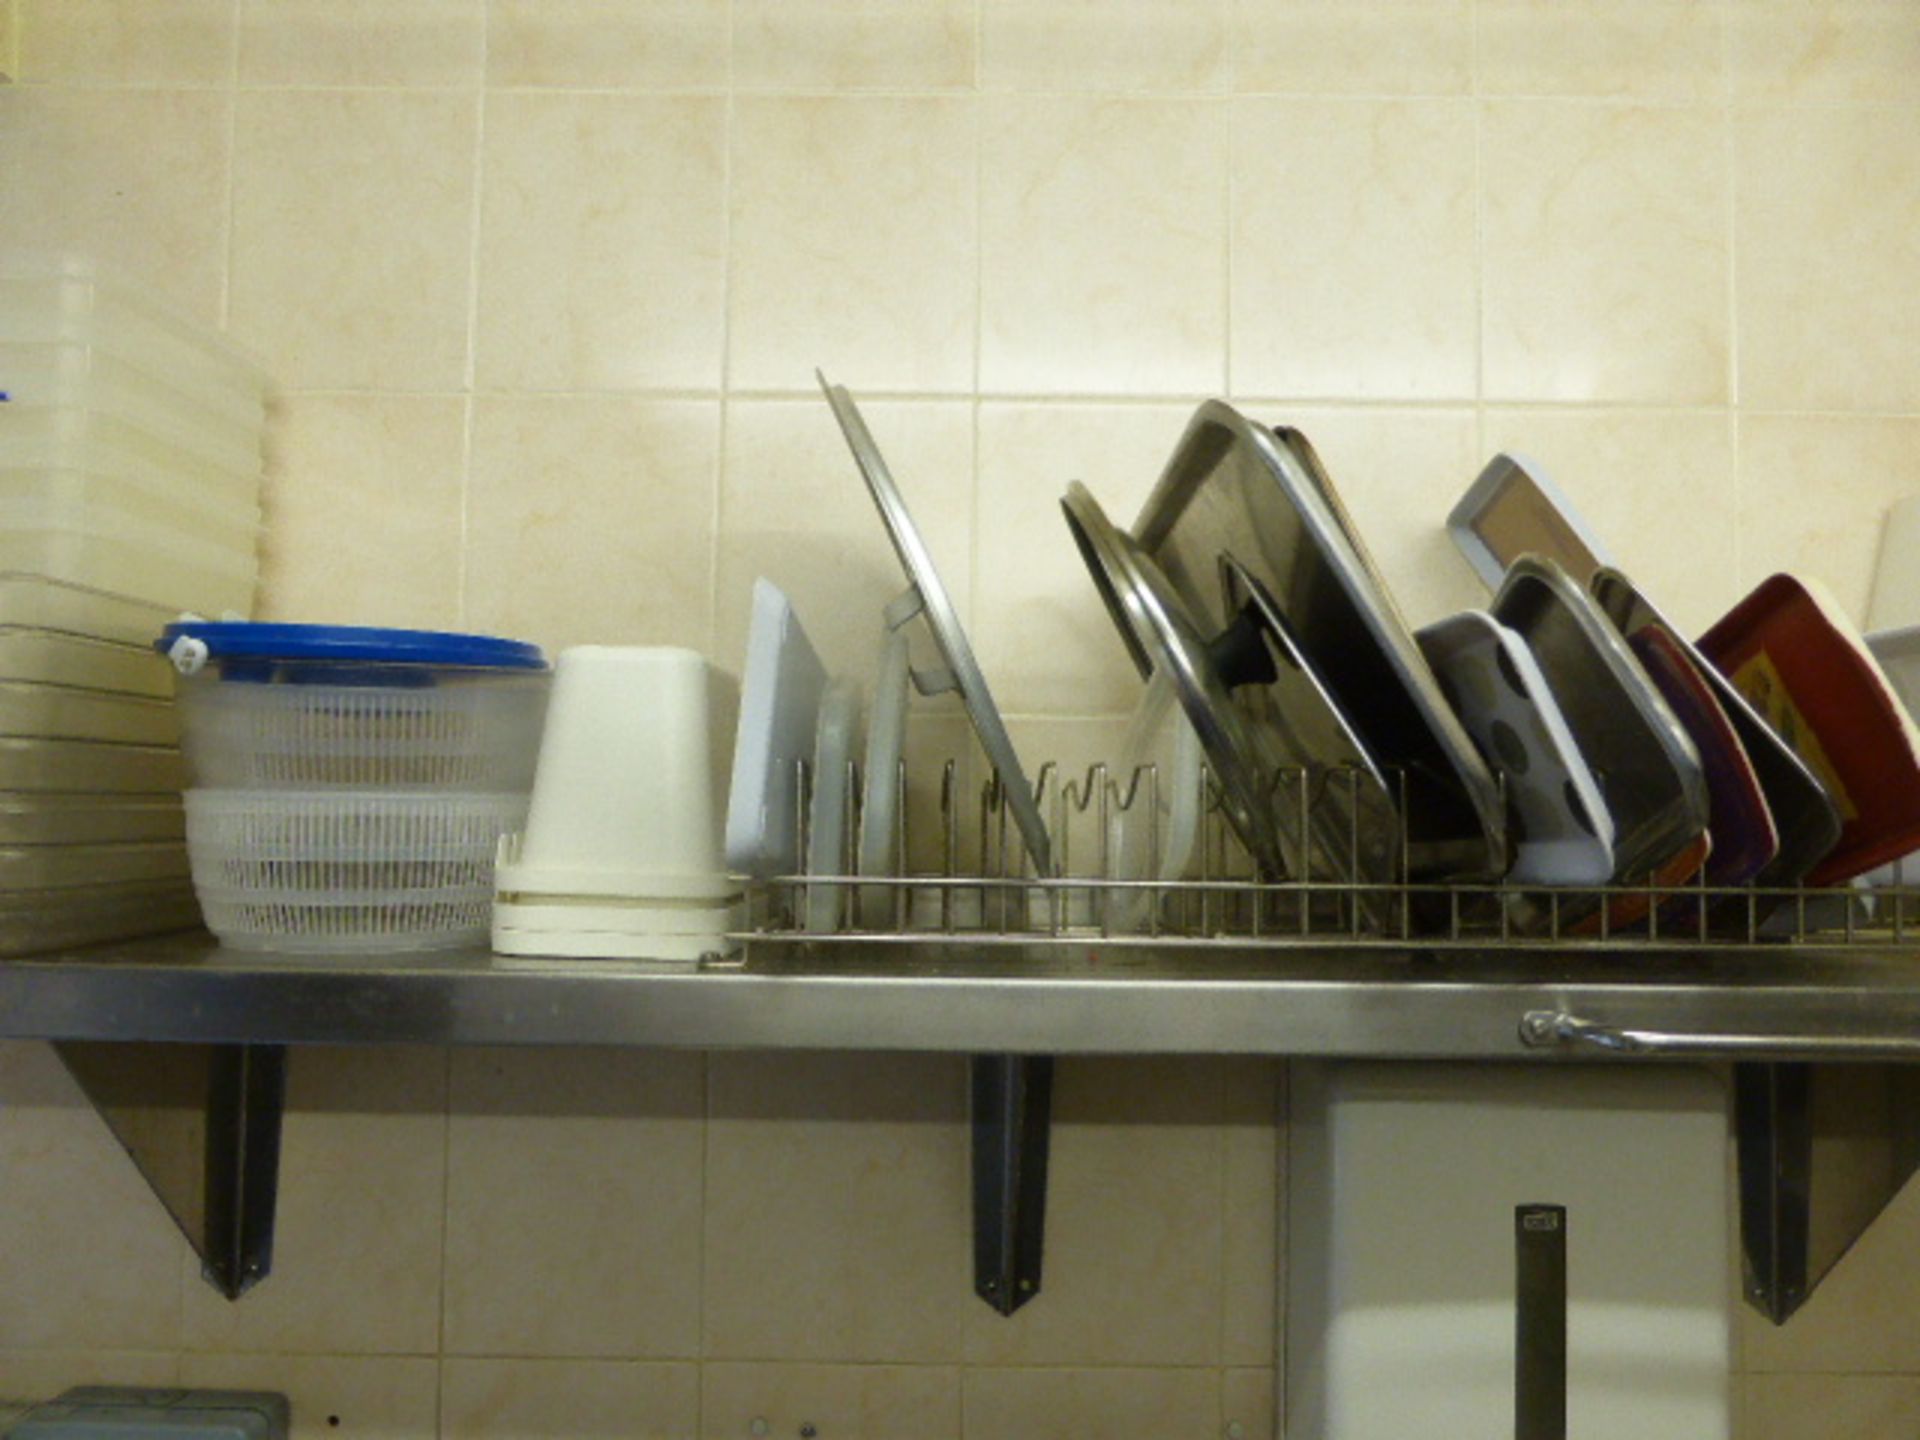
1649 772
1236 490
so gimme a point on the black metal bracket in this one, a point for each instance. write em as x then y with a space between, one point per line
202 1123
1822 1150
1012 1130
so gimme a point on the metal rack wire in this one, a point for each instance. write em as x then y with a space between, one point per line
967 883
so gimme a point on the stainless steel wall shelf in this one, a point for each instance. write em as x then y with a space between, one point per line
1775 1009
1322 998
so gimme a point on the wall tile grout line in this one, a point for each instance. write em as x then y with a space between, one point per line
979 110
1542 97
1730 122
1137 400
1230 144
233 159
1479 224
471 363
729 129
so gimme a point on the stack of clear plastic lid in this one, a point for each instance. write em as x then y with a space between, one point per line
130 448
130 462
92 835
349 785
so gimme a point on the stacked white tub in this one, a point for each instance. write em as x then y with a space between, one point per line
130 463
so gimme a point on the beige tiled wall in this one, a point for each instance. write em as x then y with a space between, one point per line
544 283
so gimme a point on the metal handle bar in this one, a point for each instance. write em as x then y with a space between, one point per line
1543 1029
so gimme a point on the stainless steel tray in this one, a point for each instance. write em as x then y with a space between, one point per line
1235 490
1648 769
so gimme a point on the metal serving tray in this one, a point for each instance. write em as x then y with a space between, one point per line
1237 491
1649 771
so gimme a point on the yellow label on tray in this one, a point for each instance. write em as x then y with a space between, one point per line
1759 680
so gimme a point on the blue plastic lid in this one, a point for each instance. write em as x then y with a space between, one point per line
352 644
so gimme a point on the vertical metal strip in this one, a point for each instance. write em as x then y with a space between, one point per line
1773 1129
1012 1120
246 1099
1540 1326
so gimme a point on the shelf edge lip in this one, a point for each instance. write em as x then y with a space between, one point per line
466 1000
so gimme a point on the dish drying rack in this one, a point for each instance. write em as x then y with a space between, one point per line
964 884
972 906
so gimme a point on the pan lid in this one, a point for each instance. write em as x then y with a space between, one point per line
926 596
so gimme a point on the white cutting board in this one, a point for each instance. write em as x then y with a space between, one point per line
1896 578
779 711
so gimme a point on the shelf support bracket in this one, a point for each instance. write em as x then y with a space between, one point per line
1823 1149
202 1124
1012 1125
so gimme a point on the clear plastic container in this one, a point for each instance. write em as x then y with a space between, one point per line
72 362
44 767
352 785
76 500
65 820
63 867
359 923
41 602
472 730
89 377
68 299
334 870
49 437
66 712
170 572
33 922
53 657
323 841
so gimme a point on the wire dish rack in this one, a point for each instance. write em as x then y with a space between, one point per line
962 884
